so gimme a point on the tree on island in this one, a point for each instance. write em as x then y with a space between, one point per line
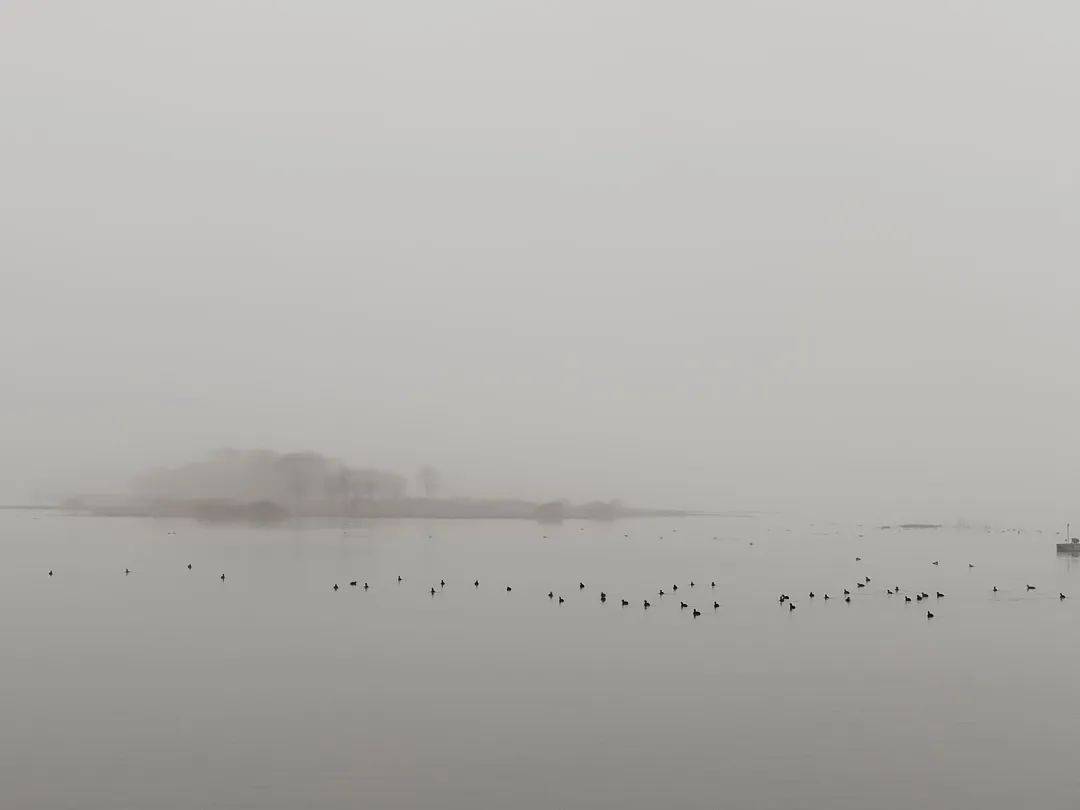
429 481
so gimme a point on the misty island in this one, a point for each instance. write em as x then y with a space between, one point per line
266 487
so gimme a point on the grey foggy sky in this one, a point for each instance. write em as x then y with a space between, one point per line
689 254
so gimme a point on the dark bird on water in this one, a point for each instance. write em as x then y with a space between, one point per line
846 592
646 603
561 600
995 589
581 586
811 594
847 599
624 603
712 584
929 615
940 594
352 584
222 577
128 571
400 579
889 591
1061 596
696 613
907 598
476 583
508 589
935 562
674 587
971 565
50 571
826 597
603 596
860 585
551 594
432 590
335 586
918 597
691 583
442 583
683 606
868 579
189 566
366 586
1031 587
661 593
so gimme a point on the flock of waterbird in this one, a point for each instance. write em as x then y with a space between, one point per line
896 590
784 600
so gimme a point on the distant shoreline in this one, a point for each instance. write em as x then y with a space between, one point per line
269 512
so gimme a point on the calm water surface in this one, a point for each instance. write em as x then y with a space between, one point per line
169 688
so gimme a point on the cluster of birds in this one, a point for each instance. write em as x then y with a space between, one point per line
646 604
784 599
894 591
